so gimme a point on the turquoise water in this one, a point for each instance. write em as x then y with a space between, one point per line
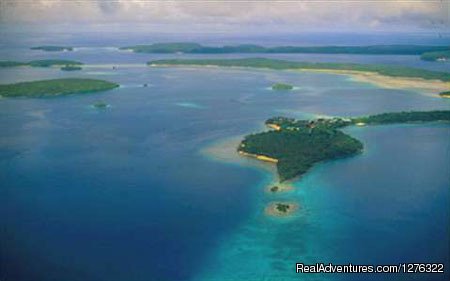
126 193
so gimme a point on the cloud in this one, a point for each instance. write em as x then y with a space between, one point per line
332 14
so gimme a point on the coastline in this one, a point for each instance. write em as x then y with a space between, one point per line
390 82
225 151
432 86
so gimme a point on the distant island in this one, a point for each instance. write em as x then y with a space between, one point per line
40 63
296 145
71 68
436 56
195 48
52 48
100 105
55 87
386 70
282 87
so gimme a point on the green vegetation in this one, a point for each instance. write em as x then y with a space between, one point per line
388 70
404 117
71 68
195 48
299 144
164 48
52 48
282 207
445 94
274 188
48 63
55 87
8 63
282 87
40 63
100 104
436 56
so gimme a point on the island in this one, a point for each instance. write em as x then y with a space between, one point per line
436 56
385 70
281 209
195 48
55 87
294 146
71 68
100 105
41 63
52 48
282 87
445 94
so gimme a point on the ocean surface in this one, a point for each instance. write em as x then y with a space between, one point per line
127 193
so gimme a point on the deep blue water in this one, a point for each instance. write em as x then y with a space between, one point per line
126 194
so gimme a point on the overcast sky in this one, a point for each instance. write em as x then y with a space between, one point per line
389 15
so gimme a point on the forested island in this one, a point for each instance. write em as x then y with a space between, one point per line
436 56
41 63
296 145
71 68
52 48
282 87
387 70
195 48
55 87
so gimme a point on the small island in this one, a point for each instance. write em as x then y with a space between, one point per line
41 63
100 105
55 87
445 94
281 209
52 48
294 146
71 68
282 87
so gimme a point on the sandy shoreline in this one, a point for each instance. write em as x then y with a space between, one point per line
226 151
390 82
272 210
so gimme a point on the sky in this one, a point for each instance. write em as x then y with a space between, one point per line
267 15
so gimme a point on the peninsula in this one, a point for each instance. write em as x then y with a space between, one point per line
296 145
55 87
50 48
195 48
40 63
386 70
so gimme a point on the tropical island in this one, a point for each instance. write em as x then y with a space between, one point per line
282 87
195 48
55 87
436 56
40 63
281 209
52 48
71 68
100 105
296 145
